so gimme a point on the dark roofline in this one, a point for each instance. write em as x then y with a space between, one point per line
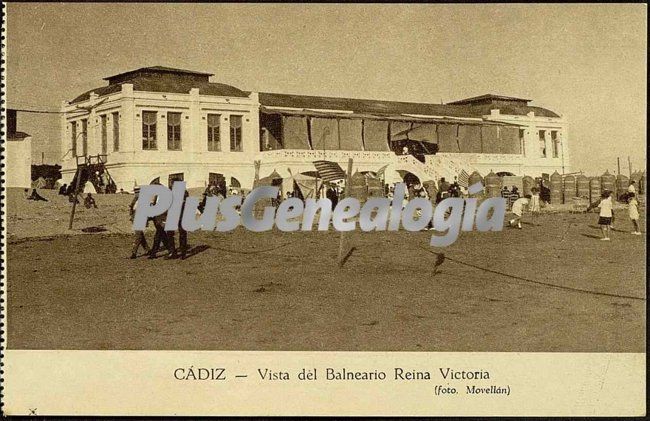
144 84
317 98
394 107
488 96
475 107
289 97
159 69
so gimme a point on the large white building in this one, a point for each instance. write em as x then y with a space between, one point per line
176 124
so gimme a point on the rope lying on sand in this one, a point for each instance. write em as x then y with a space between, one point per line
532 281
254 251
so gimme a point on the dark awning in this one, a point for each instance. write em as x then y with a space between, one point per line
387 117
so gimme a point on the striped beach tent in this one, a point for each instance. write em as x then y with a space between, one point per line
463 179
329 171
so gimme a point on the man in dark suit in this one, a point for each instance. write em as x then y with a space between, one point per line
138 236
332 196
182 236
160 237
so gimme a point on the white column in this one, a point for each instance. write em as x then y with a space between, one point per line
201 144
531 141
225 132
194 137
91 126
109 134
129 141
251 129
564 151
161 129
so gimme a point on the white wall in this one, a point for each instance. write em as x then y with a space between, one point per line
18 163
132 164
532 163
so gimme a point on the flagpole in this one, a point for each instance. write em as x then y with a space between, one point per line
346 193
629 167
293 181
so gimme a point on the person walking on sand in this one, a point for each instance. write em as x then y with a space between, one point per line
518 210
182 237
633 208
605 216
535 204
534 201
138 236
631 188
160 237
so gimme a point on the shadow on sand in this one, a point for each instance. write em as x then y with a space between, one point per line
196 250
597 237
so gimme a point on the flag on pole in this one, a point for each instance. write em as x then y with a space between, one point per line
329 171
463 179
381 171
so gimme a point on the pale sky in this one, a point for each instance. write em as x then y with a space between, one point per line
586 62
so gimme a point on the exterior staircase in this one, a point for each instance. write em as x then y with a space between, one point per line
86 171
449 166
435 167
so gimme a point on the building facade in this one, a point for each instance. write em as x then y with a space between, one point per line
18 155
176 124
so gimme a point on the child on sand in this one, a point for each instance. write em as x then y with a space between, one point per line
633 208
534 200
89 202
518 209
605 216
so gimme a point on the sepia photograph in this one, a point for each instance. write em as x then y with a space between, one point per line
439 178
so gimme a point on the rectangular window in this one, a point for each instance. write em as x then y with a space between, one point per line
214 134
542 143
84 136
73 136
270 132
174 131
149 130
104 135
116 132
522 142
175 177
216 179
235 133
556 144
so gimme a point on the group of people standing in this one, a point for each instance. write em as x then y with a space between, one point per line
161 237
446 189
517 205
532 202
606 207
89 200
